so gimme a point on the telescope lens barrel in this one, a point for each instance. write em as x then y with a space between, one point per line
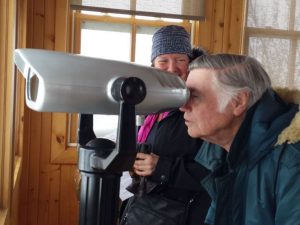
131 90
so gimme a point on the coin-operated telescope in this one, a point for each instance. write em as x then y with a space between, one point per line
61 82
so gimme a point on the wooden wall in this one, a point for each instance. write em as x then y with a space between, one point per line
47 188
222 31
8 164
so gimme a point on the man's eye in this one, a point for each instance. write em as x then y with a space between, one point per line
195 96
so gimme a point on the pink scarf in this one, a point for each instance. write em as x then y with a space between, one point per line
147 126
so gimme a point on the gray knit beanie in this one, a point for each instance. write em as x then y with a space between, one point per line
171 39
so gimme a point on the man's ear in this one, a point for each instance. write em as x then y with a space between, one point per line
240 103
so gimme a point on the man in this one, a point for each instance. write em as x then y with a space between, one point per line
251 141
169 172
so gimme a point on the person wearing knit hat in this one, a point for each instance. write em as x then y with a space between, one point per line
171 39
171 50
169 170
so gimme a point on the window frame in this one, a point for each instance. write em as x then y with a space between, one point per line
132 20
64 135
290 34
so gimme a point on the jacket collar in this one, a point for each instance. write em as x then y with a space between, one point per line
290 134
263 124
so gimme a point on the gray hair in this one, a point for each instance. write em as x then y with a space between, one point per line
233 74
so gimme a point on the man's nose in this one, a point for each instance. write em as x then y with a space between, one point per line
183 108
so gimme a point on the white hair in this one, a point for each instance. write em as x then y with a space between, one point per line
234 74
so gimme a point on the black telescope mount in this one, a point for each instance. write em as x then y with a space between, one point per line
102 161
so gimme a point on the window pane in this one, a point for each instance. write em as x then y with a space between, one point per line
273 53
297 69
297 20
143 44
269 14
106 126
106 40
110 41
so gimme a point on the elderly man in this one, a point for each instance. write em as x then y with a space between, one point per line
251 141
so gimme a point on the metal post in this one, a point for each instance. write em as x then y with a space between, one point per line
102 161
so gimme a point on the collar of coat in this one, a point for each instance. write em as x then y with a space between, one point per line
290 134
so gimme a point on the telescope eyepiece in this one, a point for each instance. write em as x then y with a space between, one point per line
131 90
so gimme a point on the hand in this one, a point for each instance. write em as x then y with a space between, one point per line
145 164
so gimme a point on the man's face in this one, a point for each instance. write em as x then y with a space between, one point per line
201 112
174 63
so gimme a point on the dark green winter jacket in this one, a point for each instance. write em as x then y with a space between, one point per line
258 181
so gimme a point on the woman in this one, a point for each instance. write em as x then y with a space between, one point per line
168 171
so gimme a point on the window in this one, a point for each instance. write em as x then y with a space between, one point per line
96 39
123 38
272 35
143 44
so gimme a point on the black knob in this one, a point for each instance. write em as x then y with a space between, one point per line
131 90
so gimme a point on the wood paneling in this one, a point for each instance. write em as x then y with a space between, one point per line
222 30
68 196
48 195
234 24
61 153
8 164
47 188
